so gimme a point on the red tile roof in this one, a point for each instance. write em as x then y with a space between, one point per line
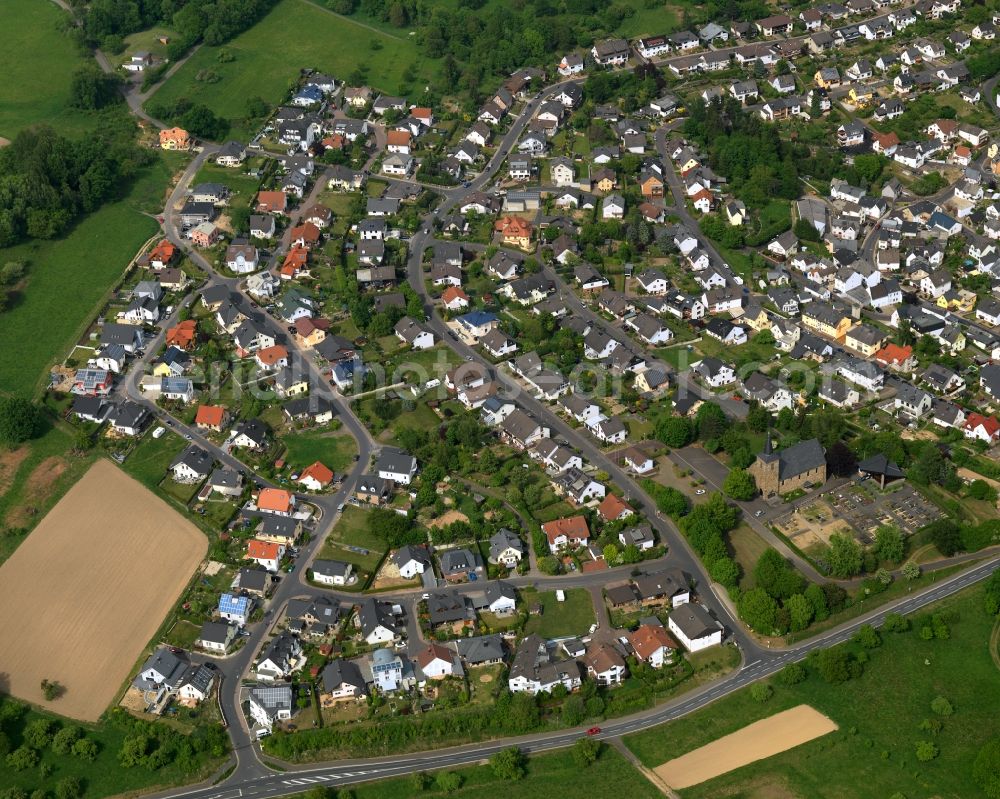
318 472
573 527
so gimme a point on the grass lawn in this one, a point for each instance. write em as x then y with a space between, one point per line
148 40
335 451
150 460
37 62
294 35
747 547
351 530
554 774
183 634
560 619
242 185
68 279
879 715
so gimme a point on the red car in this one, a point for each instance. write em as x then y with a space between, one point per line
593 731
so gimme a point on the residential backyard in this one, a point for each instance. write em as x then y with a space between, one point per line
336 451
559 619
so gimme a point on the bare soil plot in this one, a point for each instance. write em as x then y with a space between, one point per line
448 517
756 741
88 589
38 484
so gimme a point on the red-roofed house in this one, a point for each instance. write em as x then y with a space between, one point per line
276 500
454 298
183 335
272 358
211 417
305 235
271 202
613 508
162 254
653 645
982 428
398 141
702 201
514 231
316 476
308 333
570 532
294 263
436 661
266 553
896 357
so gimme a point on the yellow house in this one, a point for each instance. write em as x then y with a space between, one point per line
651 381
756 318
688 165
865 339
861 96
174 139
163 370
293 388
961 300
827 78
827 321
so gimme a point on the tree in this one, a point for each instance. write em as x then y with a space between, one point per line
844 556
800 611
910 570
573 711
509 764
420 780
868 637
24 757
134 749
895 623
889 543
740 484
91 88
980 489
805 230
586 751
448 781
817 598
611 554
674 431
759 610
725 571
986 768
62 741
548 565
69 788
841 460
761 692
774 575
19 421
38 734
926 751
946 536
837 665
85 749
791 674
711 421
942 706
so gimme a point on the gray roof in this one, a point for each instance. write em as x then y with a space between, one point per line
482 649
694 621
339 672
273 698
504 539
373 614
395 460
197 459
215 631
460 560
279 526
331 568
796 459
448 606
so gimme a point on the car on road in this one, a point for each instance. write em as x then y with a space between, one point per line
188 436
699 491
758 514
593 628
340 508
594 731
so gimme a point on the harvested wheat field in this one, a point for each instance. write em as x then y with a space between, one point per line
756 741
89 587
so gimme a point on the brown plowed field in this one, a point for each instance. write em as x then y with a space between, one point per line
82 596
